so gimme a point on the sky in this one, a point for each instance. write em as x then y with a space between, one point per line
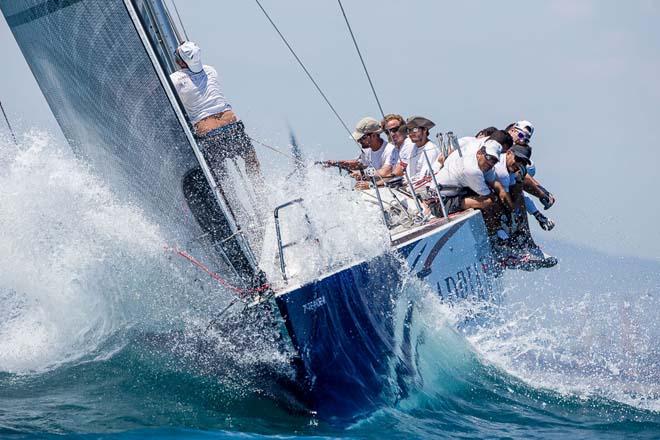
586 73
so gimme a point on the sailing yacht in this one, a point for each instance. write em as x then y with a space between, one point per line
348 327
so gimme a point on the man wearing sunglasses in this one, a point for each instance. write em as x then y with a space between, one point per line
395 127
376 152
411 157
522 132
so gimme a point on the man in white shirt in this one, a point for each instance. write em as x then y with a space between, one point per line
411 157
376 153
221 135
395 127
464 178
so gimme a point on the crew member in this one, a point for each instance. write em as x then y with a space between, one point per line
463 179
411 157
395 127
376 153
220 133
522 132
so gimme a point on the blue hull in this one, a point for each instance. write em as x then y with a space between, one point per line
342 327
352 331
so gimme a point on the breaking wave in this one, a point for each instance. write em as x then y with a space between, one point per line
78 265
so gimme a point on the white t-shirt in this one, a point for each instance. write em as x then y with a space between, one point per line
412 157
502 173
464 172
387 154
466 140
200 93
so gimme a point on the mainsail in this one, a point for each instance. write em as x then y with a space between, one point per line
103 67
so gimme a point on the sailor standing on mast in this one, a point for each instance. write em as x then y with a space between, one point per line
220 133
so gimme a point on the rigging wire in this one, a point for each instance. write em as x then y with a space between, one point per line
172 24
183 28
276 150
309 75
357 48
11 130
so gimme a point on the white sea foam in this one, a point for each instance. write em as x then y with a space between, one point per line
594 345
78 265
65 240
333 225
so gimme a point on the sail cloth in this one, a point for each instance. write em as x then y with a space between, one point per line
113 106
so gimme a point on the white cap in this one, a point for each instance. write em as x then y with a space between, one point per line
493 148
191 54
525 127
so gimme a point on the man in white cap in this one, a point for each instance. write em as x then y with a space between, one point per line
464 178
220 133
376 152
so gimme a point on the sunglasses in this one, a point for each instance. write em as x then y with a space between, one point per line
364 138
491 158
393 129
416 129
522 136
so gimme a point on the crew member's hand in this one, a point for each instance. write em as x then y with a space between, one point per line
545 223
362 184
357 175
547 201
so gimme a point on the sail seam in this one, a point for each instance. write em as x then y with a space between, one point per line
38 11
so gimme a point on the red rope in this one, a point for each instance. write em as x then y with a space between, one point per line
217 277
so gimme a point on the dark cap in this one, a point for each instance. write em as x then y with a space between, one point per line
419 121
522 152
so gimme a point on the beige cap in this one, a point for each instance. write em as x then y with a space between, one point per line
366 126
419 121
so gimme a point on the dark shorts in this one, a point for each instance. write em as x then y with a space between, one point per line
454 203
226 142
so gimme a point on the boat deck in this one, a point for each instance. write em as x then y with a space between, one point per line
398 240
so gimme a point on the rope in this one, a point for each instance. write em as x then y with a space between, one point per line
183 28
240 291
309 75
290 156
357 48
11 130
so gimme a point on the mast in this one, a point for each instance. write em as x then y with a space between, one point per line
164 35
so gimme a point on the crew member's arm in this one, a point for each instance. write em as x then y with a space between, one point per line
400 168
385 171
533 187
501 192
351 165
477 183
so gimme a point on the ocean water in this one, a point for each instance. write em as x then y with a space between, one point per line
101 337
